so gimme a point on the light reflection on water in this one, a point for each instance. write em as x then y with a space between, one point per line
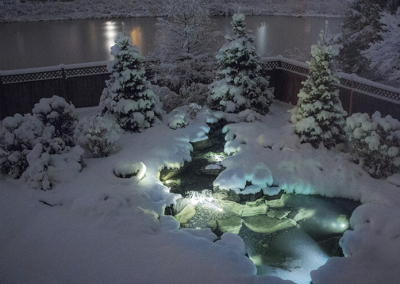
261 39
49 43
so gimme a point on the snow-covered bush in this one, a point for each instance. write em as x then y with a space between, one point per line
52 162
40 147
319 116
195 93
181 116
249 115
17 137
384 54
128 95
57 113
99 134
170 100
239 84
185 44
375 142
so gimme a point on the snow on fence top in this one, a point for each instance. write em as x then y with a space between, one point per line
53 72
349 81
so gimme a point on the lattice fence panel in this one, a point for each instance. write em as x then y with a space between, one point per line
95 70
294 68
272 65
346 83
18 78
377 91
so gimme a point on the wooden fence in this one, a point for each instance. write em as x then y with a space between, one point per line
82 85
357 94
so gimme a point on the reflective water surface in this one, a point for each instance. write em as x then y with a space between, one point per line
37 44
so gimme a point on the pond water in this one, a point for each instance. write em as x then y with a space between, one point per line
50 43
286 235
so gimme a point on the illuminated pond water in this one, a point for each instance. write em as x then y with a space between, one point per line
286 235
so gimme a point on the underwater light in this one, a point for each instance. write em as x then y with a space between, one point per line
256 259
204 198
168 181
216 157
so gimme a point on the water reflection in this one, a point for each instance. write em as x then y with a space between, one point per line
261 39
137 37
111 31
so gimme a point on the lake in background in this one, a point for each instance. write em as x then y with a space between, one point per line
50 43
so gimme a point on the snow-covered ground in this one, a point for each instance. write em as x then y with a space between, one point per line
83 9
104 229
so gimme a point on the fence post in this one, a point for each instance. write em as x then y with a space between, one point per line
65 84
2 100
351 95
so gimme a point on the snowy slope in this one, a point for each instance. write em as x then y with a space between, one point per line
103 229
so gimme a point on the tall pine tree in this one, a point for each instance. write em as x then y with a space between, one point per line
360 28
128 95
319 116
384 55
239 84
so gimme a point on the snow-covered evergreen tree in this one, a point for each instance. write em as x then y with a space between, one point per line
128 95
384 55
239 84
185 44
360 28
319 116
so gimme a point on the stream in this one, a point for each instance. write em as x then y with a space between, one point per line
287 235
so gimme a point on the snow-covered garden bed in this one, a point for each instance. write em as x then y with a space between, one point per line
97 227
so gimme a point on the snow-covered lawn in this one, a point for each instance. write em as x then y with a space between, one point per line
104 229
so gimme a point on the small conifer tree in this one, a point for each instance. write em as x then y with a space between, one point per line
239 84
128 95
319 116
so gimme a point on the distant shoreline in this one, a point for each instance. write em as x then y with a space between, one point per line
84 9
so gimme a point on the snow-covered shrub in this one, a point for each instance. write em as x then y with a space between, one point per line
375 142
195 93
239 84
99 134
56 112
17 137
249 115
181 116
128 95
52 162
193 110
319 116
170 100
40 147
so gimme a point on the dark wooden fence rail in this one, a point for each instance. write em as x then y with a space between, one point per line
82 85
